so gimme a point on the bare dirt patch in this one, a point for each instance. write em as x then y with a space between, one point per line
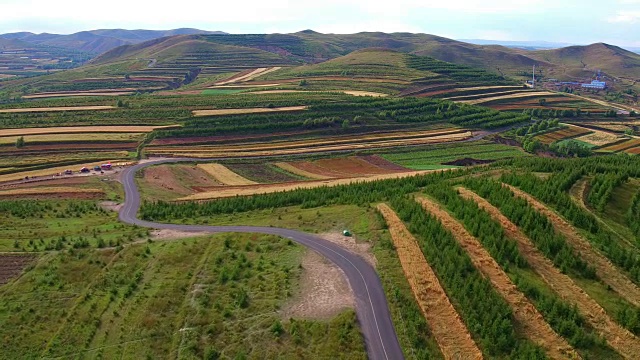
350 242
218 112
12 265
168 234
450 332
618 338
111 206
324 290
512 96
532 322
606 271
69 94
300 172
162 177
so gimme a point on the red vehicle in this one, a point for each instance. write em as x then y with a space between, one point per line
106 166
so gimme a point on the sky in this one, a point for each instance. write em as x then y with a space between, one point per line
564 21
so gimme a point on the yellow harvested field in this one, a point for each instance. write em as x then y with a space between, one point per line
80 130
618 338
53 109
533 323
50 172
223 175
445 323
249 76
49 191
294 170
246 86
219 112
348 92
70 94
606 271
271 188
598 137
512 96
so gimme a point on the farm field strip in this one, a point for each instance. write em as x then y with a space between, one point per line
219 112
348 92
484 95
633 151
605 270
619 338
445 323
223 175
229 191
569 132
598 138
248 76
205 153
532 322
338 140
49 172
506 97
75 137
301 172
344 167
56 109
81 130
71 94
631 143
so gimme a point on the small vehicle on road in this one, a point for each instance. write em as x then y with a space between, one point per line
68 172
84 170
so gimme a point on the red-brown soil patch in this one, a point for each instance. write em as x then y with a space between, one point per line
352 166
164 178
382 163
261 173
12 265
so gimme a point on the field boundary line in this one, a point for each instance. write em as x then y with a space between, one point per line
618 338
533 323
445 323
605 269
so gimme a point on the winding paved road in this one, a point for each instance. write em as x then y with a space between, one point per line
371 304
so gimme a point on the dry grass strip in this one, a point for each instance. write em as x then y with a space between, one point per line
52 109
70 94
512 96
80 130
606 271
450 332
271 188
219 112
294 170
222 174
532 322
618 338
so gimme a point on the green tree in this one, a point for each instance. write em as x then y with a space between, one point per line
542 102
20 142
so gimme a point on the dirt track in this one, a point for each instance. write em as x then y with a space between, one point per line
54 109
532 322
606 271
445 323
80 130
618 338
219 112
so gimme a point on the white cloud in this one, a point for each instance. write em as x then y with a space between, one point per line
625 17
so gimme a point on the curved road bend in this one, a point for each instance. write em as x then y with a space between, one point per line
371 304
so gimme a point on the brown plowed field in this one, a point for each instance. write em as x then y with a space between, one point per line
80 129
353 166
634 151
568 132
605 270
219 112
54 109
631 143
523 94
383 163
532 322
11 265
230 191
312 168
618 338
222 174
294 170
449 330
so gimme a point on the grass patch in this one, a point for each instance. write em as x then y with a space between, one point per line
222 91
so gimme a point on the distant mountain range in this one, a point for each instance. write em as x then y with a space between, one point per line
99 41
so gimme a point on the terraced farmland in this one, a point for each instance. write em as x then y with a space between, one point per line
566 133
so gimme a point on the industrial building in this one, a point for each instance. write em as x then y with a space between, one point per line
595 84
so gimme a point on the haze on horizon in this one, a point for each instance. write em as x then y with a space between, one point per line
572 21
